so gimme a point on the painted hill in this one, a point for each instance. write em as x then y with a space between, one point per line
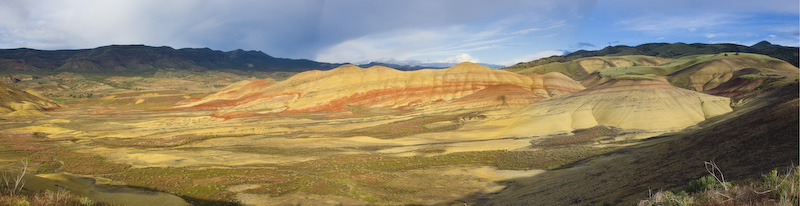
136 59
676 50
339 89
637 103
17 102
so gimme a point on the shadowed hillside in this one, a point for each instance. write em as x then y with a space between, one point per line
138 59
728 74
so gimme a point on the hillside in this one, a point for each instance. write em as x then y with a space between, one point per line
139 59
16 102
744 144
726 74
676 50
579 68
339 89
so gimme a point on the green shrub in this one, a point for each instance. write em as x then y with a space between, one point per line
85 201
703 184
771 179
13 200
40 135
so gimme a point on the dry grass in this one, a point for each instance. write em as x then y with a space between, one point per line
413 126
48 197
581 136
774 188
159 142
49 157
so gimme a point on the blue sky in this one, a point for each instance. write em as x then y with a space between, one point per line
409 31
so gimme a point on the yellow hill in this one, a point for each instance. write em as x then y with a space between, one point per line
632 103
16 101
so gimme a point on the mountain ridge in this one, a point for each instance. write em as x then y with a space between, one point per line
142 58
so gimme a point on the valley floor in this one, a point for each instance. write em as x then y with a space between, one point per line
103 148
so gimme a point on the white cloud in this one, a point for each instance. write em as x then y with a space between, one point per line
710 35
673 23
398 45
526 31
554 25
432 45
531 57
463 57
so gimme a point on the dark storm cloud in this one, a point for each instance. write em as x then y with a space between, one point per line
282 28
580 45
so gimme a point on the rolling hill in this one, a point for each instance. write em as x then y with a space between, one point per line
676 50
725 74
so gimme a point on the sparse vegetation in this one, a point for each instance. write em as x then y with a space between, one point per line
368 177
13 182
773 188
161 142
415 126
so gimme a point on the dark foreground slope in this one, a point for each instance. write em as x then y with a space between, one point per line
754 139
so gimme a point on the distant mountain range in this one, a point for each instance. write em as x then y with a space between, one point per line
666 50
141 59
138 59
